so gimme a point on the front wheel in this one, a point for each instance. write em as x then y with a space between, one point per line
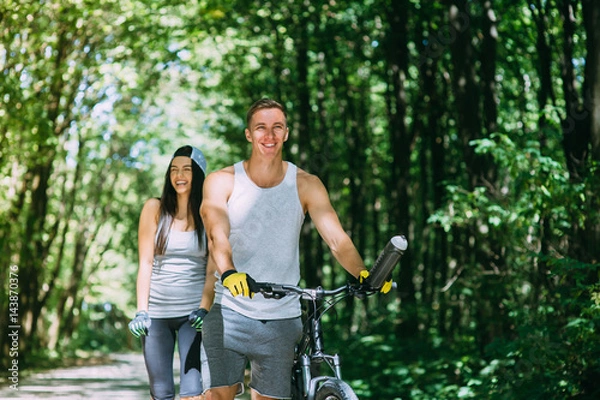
335 389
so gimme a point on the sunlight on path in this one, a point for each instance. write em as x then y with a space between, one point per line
124 379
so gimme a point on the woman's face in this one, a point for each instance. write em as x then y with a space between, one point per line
181 174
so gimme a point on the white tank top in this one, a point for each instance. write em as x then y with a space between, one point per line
264 234
178 276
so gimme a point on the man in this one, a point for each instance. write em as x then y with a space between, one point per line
253 212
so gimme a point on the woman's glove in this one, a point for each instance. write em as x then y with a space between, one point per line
196 318
140 324
364 274
239 283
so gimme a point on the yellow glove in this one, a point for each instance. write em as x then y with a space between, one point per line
364 274
238 283
387 286
362 277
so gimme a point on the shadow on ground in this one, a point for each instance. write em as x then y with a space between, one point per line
123 377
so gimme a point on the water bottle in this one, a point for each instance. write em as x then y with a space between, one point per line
386 261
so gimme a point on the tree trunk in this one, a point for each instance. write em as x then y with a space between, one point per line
401 146
576 124
591 18
34 250
302 136
465 87
591 102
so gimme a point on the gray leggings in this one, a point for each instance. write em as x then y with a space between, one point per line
159 347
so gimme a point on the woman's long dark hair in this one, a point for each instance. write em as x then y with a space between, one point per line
168 203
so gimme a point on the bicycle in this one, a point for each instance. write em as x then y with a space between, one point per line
308 383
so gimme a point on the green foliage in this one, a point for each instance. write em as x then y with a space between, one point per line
549 356
81 134
533 187
555 351
552 350
95 96
103 328
413 369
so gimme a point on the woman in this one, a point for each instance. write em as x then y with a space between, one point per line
174 292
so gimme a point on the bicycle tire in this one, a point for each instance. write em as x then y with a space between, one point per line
297 392
335 389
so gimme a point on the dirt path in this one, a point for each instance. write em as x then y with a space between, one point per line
124 378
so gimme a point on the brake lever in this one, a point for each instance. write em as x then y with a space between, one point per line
363 290
268 292
360 291
272 295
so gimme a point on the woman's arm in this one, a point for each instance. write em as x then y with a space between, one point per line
146 242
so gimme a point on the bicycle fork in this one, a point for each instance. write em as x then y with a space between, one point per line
317 356
310 383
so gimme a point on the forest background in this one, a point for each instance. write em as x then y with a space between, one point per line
472 127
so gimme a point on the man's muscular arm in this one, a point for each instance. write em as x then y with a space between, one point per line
315 200
218 186
217 189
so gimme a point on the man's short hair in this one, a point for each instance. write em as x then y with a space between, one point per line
263 104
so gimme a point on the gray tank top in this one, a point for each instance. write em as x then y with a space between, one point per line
264 234
178 276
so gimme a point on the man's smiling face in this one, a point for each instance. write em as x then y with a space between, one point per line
267 131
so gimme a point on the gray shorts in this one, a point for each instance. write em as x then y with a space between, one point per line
230 340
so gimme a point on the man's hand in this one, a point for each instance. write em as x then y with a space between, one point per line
139 325
196 318
239 283
363 278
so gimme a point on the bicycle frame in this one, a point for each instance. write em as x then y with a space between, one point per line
310 350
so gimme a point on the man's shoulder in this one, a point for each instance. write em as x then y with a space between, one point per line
308 184
223 173
304 177
219 183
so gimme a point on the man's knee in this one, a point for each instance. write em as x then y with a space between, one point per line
221 393
257 396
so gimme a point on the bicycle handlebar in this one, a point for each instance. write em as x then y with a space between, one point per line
386 261
277 291
378 275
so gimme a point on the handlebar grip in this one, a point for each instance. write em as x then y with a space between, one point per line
386 261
